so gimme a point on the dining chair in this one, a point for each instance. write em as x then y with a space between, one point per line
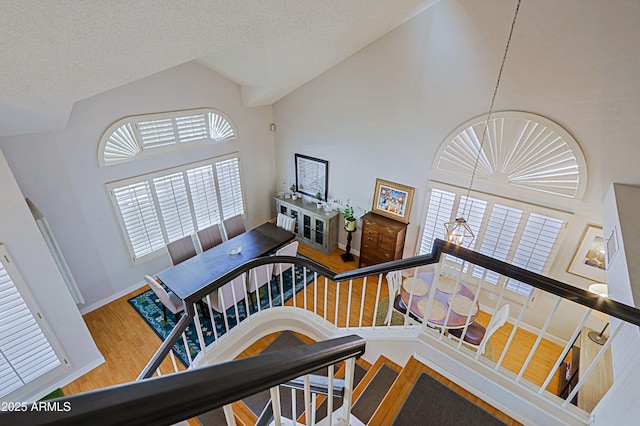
290 249
259 276
394 281
168 299
233 226
286 222
223 299
181 249
477 336
209 237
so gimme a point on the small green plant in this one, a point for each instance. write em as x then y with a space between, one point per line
293 188
319 196
348 213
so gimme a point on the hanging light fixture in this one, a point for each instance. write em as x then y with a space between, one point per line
459 232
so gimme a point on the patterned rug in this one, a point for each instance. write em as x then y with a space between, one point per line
150 309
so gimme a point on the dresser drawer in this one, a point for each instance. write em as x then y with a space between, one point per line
387 243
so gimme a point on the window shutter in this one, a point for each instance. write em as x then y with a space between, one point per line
439 212
25 351
155 133
173 199
498 237
139 217
228 174
537 243
121 145
191 128
203 196
220 127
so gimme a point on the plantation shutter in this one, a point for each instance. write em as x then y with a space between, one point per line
25 352
203 195
173 200
536 244
154 133
230 188
191 128
439 211
498 237
139 217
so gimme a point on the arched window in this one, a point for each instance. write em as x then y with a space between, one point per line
141 135
520 150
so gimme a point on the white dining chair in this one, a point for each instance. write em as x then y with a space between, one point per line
476 335
181 249
233 226
290 249
168 299
286 222
209 237
227 296
394 281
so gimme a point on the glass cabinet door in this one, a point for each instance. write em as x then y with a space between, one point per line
319 231
306 226
294 214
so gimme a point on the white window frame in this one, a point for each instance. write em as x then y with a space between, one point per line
26 311
158 248
492 200
124 140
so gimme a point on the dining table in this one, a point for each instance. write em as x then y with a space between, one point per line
452 305
186 278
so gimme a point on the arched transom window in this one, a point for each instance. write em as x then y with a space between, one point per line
520 150
141 135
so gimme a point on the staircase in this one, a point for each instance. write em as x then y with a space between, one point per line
380 392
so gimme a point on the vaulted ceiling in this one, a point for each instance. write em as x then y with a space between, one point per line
58 52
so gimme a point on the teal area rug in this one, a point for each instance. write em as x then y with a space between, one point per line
150 309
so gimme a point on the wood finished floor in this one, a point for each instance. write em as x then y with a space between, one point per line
127 342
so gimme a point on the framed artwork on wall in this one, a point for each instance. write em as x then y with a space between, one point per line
589 259
392 200
312 176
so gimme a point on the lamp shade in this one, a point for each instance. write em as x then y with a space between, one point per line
600 289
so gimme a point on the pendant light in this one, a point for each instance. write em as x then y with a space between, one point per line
459 232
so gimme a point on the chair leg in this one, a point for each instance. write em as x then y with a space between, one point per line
164 312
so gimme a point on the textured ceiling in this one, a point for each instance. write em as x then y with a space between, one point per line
55 53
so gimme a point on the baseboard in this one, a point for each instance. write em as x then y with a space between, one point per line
107 300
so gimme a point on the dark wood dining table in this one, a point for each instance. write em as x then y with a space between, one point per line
446 290
186 278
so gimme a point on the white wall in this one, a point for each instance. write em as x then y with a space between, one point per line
24 242
59 171
385 111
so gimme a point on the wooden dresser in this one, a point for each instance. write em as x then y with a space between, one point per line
382 239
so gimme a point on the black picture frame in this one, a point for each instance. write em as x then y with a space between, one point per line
312 176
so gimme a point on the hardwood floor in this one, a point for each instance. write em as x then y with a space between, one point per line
127 342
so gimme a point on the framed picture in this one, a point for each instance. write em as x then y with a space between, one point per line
392 200
312 176
589 259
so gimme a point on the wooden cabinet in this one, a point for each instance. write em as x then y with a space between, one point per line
382 239
314 226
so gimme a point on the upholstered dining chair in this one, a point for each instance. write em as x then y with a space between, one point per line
181 249
223 299
209 237
286 222
169 300
290 249
394 281
477 336
233 226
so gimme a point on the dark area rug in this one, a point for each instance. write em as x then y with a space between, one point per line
432 403
149 307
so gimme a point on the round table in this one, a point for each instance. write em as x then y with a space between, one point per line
449 295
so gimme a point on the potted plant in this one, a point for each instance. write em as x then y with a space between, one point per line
319 198
294 191
349 218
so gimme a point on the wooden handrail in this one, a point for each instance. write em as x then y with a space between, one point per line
169 399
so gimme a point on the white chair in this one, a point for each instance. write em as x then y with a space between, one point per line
168 298
181 250
394 281
286 222
209 237
233 226
476 335
259 276
290 249
223 299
